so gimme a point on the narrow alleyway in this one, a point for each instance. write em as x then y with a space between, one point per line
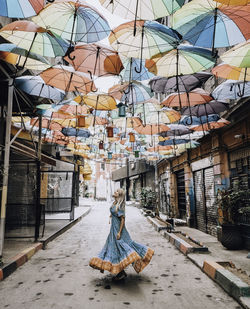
59 277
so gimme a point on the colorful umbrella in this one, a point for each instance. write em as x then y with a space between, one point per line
230 72
148 129
73 21
35 85
212 107
186 120
231 89
238 56
208 24
174 142
67 79
95 59
142 9
133 92
185 83
131 68
35 39
194 97
176 130
98 102
22 58
233 2
75 132
20 8
185 59
211 125
151 38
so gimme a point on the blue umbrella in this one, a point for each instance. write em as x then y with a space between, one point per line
170 142
35 85
132 70
186 120
75 132
231 89
20 8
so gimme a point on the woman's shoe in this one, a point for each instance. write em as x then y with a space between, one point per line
120 276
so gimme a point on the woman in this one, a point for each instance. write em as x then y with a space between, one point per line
120 250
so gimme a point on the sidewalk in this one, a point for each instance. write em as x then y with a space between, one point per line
18 251
211 257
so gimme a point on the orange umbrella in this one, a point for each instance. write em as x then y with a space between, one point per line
47 124
75 109
148 129
63 78
95 59
230 72
212 125
159 148
194 97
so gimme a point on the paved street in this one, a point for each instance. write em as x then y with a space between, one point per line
59 277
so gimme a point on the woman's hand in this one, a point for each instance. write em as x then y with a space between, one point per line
118 236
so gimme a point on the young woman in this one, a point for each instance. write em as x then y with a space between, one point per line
120 250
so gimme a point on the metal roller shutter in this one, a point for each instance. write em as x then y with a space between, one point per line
199 202
180 178
211 210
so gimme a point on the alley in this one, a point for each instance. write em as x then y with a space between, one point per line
59 277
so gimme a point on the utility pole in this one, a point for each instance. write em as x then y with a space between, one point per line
6 166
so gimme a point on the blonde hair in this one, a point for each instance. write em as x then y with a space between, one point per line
121 200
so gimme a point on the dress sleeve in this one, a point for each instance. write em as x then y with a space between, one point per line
120 213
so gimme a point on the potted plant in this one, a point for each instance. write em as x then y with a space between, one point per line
230 202
147 198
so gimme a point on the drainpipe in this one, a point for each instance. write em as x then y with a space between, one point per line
157 192
6 167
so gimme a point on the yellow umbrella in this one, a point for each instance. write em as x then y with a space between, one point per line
78 146
98 102
233 2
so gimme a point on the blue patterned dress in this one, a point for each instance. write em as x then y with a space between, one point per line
118 254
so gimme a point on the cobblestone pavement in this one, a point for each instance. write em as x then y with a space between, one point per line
59 277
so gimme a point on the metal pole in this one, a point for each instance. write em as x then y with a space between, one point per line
156 189
6 166
38 180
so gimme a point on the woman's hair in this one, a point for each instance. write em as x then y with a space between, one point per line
121 200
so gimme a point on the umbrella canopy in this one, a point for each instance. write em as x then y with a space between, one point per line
162 116
174 142
151 38
142 9
231 89
38 40
20 8
212 107
98 102
133 70
212 125
187 120
230 72
208 24
194 97
95 59
75 132
131 92
66 79
185 59
238 56
35 85
176 130
233 2
148 129
185 83
21 57
73 21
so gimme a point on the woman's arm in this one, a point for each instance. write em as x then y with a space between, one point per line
121 227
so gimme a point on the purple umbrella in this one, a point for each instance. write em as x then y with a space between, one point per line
186 82
212 107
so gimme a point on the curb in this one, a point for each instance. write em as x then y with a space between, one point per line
26 254
19 260
62 230
157 226
232 284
